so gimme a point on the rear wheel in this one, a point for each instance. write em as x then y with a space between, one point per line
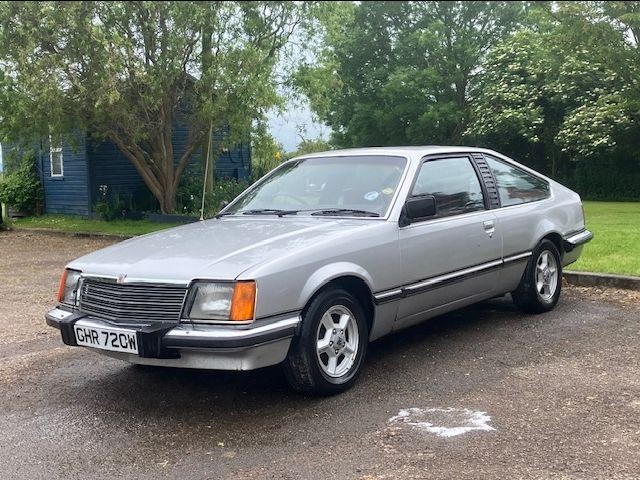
327 355
540 286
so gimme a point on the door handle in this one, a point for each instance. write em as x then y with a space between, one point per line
489 227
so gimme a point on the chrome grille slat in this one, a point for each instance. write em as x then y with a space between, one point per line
110 299
139 303
132 291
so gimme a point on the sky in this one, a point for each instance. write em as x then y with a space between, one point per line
294 124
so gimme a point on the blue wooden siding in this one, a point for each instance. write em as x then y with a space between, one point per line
108 166
88 164
234 162
69 193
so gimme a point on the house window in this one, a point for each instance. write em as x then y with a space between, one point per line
57 162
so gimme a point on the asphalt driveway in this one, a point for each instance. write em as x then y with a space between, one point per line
482 393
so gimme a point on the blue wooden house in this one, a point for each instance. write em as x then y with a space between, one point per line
72 175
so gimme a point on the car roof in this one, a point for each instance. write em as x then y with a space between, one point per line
413 153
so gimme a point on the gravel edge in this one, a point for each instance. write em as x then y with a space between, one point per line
591 279
62 233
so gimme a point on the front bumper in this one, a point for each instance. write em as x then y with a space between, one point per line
216 347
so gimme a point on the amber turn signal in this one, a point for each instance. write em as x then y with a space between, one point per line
63 283
243 301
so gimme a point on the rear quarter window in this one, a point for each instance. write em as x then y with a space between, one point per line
515 186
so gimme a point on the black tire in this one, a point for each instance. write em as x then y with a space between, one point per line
527 296
302 366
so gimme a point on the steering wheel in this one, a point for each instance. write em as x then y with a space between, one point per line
298 200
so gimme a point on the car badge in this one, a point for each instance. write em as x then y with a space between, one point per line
121 278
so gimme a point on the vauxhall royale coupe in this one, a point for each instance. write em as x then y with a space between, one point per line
323 255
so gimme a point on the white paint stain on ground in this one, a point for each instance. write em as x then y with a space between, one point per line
444 422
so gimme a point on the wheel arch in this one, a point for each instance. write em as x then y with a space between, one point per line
556 239
350 277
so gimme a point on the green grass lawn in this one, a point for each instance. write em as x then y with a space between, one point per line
71 223
615 247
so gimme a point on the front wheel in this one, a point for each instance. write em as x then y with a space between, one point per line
540 286
327 355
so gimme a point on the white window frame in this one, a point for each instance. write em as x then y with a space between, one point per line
52 150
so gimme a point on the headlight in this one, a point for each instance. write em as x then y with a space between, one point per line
216 301
67 292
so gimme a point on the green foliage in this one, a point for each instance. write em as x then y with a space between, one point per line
111 205
310 146
553 84
602 179
127 70
403 72
21 188
224 191
563 98
189 194
266 154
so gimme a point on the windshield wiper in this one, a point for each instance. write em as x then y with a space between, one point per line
268 211
348 211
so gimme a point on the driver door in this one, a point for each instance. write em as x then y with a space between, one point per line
455 256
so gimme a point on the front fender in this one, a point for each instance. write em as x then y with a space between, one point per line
327 273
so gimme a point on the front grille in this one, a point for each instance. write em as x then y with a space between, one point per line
122 302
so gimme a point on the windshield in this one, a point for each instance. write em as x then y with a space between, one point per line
346 186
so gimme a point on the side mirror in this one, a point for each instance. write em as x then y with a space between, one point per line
420 207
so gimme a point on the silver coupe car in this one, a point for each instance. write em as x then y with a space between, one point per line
324 254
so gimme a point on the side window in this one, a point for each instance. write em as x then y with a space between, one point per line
454 183
516 186
55 156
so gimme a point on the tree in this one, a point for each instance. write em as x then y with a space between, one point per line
404 72
562 91
128 71
307 146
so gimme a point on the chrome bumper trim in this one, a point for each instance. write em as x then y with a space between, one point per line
576 239
192 335
210 336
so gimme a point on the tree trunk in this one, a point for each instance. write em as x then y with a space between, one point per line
154 159
168 201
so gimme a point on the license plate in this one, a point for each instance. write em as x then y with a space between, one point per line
114 339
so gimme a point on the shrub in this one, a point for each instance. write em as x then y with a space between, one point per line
189 194
613 180
21 188
224 190
110 205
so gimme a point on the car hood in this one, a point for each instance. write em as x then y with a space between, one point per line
216 249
